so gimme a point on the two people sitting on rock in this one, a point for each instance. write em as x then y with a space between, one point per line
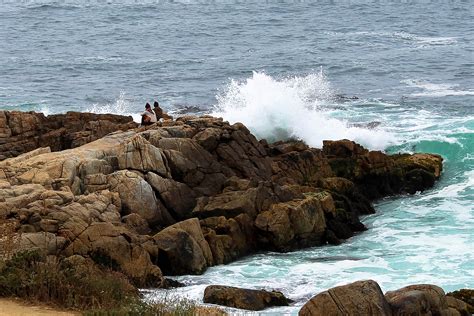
152 116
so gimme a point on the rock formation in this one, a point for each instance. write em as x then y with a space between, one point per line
21 132
254 300
180 196
366 298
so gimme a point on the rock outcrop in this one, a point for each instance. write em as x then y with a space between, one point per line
21 132
254 300
180 196
358 298
366 298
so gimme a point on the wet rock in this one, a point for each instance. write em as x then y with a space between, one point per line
465 295
254 300
290 225
421 299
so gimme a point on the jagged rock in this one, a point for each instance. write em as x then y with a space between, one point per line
465 295
177 197
305 167
458 307
358 298
139 154
183 248
289 225
229 239
138 197
136 223
116 191
420 299
254 300
21 132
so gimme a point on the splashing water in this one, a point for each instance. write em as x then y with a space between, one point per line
291 108
121 106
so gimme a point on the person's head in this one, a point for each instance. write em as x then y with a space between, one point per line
147 106
156 105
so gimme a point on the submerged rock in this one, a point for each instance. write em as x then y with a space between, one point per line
254 300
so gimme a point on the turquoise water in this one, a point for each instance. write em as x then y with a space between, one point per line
393 76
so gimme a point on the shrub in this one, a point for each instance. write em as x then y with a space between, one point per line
78 283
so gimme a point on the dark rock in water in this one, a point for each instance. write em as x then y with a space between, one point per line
465 295
422 299
254 300
345 98
171 284
370 125
333 258
358 298
366 298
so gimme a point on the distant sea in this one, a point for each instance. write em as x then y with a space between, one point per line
393 75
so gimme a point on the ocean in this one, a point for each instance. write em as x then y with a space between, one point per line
393 75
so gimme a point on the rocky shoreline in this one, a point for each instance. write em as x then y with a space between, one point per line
181 196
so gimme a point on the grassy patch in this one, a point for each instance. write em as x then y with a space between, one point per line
78 283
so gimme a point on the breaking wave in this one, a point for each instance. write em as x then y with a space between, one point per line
295 107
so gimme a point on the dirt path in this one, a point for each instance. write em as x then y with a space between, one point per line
12 307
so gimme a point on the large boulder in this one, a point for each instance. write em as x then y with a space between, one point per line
290 225
182 248
139 154
358 298
177 197
229 239
138 197
465 295
420 299
254 300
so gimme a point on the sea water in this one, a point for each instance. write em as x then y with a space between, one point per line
396 76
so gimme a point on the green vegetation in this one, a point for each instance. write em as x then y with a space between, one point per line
77 283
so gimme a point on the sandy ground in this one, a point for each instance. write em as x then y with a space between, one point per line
12 307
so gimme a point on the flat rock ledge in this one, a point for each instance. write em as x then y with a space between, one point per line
181 196
366 298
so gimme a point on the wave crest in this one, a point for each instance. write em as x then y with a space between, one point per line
295 107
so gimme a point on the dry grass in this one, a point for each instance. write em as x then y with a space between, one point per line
81 285
9 238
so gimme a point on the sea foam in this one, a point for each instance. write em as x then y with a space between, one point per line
294 107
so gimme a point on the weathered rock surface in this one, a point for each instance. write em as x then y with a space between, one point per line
465 295
180 196
366 298
21 132
358 298
254 300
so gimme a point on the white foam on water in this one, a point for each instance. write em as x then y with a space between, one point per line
435 90
121 106
292 108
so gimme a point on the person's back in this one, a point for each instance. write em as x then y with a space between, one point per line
160 114
158 111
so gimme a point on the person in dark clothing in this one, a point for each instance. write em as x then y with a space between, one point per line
159 112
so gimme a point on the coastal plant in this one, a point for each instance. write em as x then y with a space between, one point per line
78 283
9 238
